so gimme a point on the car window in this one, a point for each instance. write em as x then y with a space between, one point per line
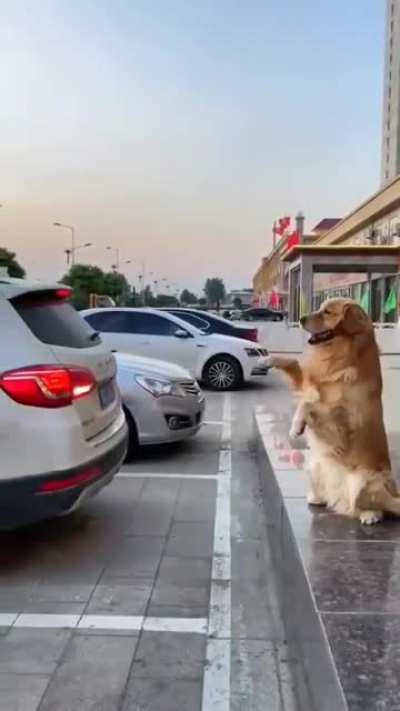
193 320
132 322
107 321
54 321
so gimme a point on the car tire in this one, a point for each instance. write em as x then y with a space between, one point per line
133 439
222 373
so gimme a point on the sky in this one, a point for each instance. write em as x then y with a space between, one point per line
178 130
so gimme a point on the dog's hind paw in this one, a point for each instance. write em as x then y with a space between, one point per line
368 518
314 500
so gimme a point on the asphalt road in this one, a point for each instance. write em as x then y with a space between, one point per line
159 595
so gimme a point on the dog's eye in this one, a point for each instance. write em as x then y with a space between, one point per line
327 313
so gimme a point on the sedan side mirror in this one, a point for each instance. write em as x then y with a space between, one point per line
181 333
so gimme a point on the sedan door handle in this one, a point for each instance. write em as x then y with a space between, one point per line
200 345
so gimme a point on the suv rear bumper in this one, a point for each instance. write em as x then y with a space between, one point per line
30 499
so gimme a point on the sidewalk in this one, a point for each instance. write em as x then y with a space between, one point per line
340 581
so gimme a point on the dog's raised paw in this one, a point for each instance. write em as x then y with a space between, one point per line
368 518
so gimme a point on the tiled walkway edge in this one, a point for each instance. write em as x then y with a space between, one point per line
282 483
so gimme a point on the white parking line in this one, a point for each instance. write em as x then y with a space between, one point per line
217 673
186 625
160 475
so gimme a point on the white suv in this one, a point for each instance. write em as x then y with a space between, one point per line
220 362
63 433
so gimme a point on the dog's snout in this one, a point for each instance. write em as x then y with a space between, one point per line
303 320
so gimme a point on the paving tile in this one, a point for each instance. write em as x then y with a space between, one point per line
177 611
153 515
317 523
196 501
92 675
171 594
67 592
190 540
134 557
366 650
184 571
354 576
255 599
254 678
163 695
56 608
130 598
32 651
21 692
174 656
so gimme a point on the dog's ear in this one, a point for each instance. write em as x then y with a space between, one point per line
355 320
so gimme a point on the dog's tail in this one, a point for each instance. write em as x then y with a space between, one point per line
391 503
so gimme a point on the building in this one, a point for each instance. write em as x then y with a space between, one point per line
245 296
271 277
390 159
359 257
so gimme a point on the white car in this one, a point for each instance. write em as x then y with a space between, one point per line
63 433
220 362
162 401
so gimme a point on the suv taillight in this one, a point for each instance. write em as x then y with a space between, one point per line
252 335
47 385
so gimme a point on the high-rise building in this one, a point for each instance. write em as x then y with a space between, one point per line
390 162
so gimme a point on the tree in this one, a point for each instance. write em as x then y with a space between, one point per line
116 286
187 297
84 279
148 297
215 291
8 260
166 300
202 302
133 298
237 302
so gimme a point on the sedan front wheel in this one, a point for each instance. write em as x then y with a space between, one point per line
223 373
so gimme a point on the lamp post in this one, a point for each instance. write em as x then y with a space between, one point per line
115 266
69 252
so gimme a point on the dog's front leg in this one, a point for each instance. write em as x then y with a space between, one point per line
290 367
298 423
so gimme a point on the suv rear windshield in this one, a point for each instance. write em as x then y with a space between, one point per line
55 321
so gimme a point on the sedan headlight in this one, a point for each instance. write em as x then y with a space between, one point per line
158 387
256 352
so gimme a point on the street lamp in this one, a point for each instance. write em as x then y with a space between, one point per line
116 265
69 252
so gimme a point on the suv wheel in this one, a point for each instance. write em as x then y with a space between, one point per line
222 373
133 442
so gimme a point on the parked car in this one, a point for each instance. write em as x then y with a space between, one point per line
262 314
63 433
220 362
162 401
212 324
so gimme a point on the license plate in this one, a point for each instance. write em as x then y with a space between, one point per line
107 394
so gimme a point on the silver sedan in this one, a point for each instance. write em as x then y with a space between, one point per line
162 401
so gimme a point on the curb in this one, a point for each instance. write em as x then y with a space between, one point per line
303 625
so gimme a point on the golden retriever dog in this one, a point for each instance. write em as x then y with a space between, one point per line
339 390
